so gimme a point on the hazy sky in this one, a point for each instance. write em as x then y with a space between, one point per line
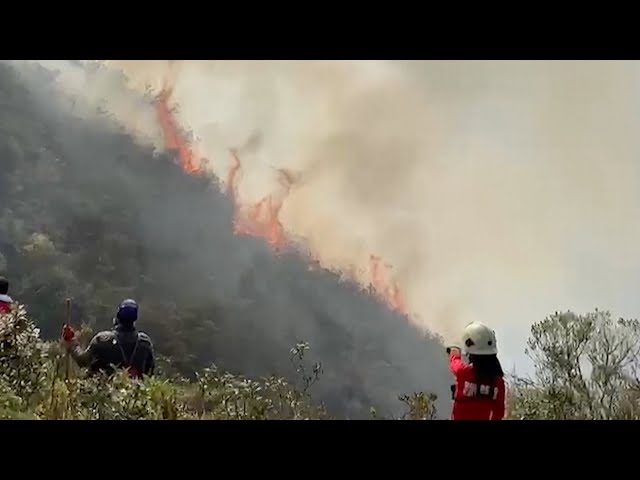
546 154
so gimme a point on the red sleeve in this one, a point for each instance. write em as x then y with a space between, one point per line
456 364
499 404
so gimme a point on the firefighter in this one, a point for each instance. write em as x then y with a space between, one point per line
121 347
479 391
5 299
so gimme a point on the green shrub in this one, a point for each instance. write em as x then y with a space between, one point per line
38 382
586 367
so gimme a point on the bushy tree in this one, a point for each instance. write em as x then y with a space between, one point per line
23 360
586 367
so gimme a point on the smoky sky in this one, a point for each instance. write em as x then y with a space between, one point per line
500 191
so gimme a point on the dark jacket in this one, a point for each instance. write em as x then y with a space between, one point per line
121 347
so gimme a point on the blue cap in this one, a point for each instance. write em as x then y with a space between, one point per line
128 311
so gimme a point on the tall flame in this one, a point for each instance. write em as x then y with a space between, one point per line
173 138
262 219
390 292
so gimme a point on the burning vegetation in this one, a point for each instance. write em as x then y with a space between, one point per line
88 211
218 280
262 220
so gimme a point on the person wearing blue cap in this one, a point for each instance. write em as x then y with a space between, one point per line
122 347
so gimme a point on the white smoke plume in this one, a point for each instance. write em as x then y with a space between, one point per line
499 191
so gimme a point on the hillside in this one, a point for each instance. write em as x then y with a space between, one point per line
87 212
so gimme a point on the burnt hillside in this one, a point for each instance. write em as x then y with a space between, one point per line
87 212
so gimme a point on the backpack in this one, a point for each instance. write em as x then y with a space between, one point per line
132 371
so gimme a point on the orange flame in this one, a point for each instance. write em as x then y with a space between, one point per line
262 219
173 138
390 292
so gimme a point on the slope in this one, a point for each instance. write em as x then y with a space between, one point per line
87 211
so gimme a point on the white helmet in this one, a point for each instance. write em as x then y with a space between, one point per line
478 339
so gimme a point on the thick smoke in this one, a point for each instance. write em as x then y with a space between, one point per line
499 191
261 303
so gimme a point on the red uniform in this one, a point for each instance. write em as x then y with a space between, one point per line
473 401
5 304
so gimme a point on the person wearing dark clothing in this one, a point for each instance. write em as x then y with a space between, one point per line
5 299
122 347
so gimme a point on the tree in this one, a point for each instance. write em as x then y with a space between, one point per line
586 367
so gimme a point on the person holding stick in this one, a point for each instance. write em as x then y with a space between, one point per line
121 347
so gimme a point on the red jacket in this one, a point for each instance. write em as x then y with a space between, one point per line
465 405
5 304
